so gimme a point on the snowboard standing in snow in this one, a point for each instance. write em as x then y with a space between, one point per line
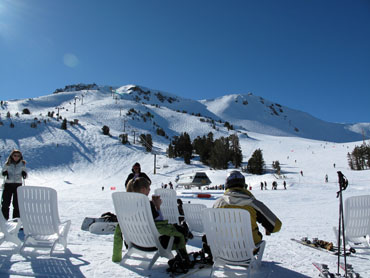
106 224
324 246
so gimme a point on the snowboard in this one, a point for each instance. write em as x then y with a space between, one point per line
103 228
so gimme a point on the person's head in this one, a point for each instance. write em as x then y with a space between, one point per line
136 168
139 185
15 157
235 179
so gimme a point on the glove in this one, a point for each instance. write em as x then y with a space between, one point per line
24 174
5 173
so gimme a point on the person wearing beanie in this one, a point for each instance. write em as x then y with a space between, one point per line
136 172
237 196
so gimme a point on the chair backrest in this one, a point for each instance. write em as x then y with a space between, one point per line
357 216
229 234
169 206
38 207
193 216
135 219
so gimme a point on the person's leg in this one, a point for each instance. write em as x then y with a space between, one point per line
15 201
6 200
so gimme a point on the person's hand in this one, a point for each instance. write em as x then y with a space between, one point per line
24 174
157 201
267 233
5 173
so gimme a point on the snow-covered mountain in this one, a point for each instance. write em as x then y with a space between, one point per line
135 110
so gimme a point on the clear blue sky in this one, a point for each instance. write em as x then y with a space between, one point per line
310 55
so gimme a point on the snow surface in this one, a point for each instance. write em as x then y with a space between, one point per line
79 161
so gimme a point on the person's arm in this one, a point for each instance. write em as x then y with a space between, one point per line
4 171
128 179
266 217
145 176
24 172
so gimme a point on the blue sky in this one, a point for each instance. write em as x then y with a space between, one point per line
310 55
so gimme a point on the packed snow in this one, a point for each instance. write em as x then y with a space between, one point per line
79 161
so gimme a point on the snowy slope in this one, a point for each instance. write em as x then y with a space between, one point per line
77 162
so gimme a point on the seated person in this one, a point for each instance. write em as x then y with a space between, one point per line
142 185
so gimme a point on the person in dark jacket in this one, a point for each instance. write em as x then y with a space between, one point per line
136 172
13 171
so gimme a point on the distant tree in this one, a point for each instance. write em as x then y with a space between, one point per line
228 126
220 154
170 151
256 163
124 138
146 141
359 159
64 124
26 111
160 132
236 156
276 166
105 130
8 115
183 147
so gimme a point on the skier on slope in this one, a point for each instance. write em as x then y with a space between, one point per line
236 196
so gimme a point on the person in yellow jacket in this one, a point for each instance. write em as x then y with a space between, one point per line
236 196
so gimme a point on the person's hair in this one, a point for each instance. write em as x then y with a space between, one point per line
137 164
10 159
135 185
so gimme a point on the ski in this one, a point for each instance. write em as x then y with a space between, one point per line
323 246
351 273
324 270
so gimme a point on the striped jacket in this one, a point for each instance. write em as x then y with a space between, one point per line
243 199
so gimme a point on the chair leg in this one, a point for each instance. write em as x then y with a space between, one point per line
154 259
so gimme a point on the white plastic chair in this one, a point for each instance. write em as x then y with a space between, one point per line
38 207
169 206
193 218
10 230
357 221
137 225
229 235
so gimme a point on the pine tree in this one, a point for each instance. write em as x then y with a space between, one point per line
236 152
64 124
219 156
256 163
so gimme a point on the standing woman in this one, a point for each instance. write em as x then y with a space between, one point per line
13 171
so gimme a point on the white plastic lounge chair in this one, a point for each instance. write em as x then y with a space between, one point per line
357 221
38 207
137 225
9 229
169 207
229 235
193 218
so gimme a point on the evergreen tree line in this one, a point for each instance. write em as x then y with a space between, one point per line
359 159
214 153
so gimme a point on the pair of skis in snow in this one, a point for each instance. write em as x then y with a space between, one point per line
325 272
326 247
